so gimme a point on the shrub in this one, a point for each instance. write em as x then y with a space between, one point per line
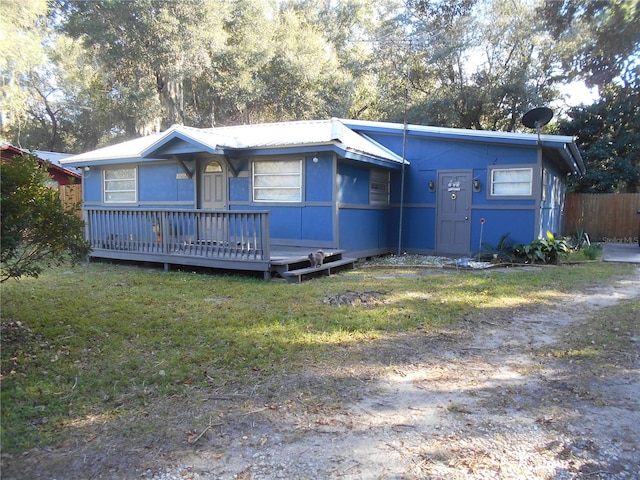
579 240
543 250
36 231
502 251
592 251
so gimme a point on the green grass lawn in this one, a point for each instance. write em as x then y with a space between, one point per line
100 340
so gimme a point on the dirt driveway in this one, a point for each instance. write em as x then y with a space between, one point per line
482 399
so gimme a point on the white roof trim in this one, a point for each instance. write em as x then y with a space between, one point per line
258 136
483 134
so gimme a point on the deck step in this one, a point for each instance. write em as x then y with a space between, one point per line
289 259
295 276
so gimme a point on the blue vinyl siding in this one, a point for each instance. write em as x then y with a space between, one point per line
518 224
319 180
239 189
363 229
353 184
158 183
310 225
310 222
92 186
317 224
552 207
428 156
285 222
239 185
418 233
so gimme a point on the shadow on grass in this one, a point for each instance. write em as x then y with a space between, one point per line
137 357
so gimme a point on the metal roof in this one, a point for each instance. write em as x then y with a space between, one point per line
564 145
130 149
349 138
55 157
235 139
52 157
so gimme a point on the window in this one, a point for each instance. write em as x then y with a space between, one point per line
277 181
213 167
120 185
379 188
511 182
545 184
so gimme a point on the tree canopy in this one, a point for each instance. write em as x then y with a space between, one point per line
87 74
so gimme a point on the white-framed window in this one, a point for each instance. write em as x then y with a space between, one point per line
511 182
277 181
120 185
379 187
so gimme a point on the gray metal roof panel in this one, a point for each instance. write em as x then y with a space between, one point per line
276 135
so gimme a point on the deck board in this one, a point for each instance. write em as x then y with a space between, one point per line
283 259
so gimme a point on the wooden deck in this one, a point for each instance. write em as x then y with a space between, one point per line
210 239
293 264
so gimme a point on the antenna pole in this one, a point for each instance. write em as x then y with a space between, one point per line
404 148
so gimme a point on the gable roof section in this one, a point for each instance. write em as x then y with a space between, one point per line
124 152
347 138
259 139
53 159
562 146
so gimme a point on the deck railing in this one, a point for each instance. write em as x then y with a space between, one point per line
226 235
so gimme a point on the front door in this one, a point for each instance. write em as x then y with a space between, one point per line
213 191
213 196
453 225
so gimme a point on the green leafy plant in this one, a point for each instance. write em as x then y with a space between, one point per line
590 252
579 240
36 230
593 251
502 251
543 250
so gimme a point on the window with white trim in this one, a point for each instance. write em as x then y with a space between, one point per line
120 185
379 187
277 181
511 182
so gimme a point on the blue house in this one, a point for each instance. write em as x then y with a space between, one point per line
261 197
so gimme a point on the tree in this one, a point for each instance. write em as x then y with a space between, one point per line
599 40
609 136
302 79
36 231
24 27
598 44
477 64
146 49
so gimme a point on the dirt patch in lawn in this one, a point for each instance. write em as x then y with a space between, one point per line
518 394
350 298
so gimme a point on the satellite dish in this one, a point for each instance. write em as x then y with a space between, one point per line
537 117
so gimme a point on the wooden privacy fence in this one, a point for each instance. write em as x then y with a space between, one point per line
604 217
71 196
